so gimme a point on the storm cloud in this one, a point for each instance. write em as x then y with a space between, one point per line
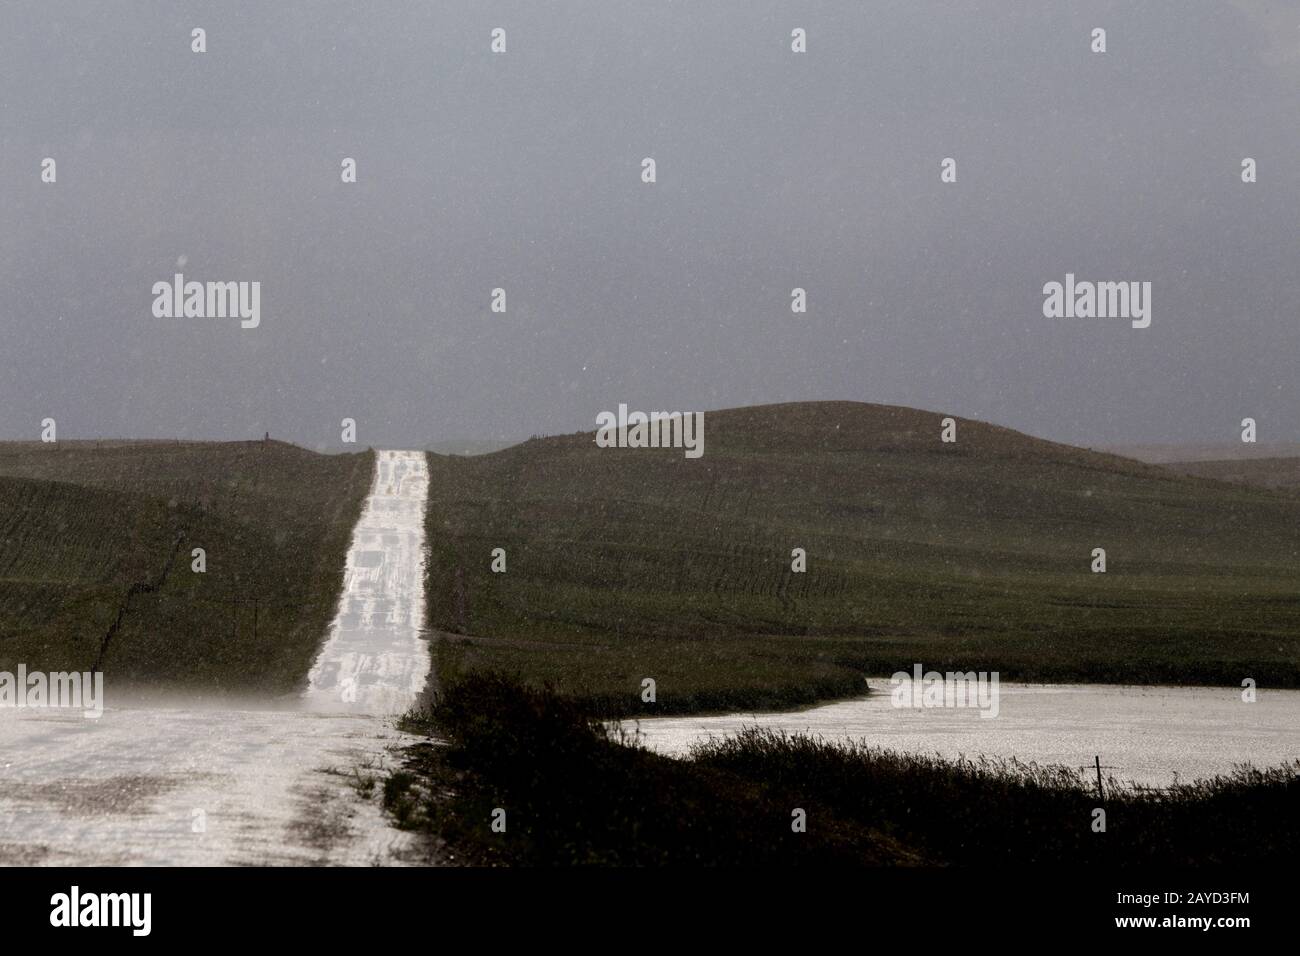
522 171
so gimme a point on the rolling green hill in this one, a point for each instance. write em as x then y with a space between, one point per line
624 564
95 559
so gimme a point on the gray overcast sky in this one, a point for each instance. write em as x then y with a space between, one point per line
522 170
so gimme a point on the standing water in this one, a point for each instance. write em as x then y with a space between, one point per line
1146 735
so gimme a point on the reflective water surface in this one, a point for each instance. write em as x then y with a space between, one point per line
1144 735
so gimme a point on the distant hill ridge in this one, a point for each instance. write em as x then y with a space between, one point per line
843 426
1211 451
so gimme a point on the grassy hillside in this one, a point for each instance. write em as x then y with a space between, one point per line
95 558
632 563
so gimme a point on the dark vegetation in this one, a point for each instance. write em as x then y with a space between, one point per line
632 563
95 558
574 795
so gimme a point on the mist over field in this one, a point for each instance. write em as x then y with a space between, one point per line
521 171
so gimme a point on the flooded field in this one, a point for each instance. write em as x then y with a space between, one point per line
1147 735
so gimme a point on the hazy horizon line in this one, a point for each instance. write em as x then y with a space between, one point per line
519 438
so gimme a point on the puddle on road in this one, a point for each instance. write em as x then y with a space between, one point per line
190 787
